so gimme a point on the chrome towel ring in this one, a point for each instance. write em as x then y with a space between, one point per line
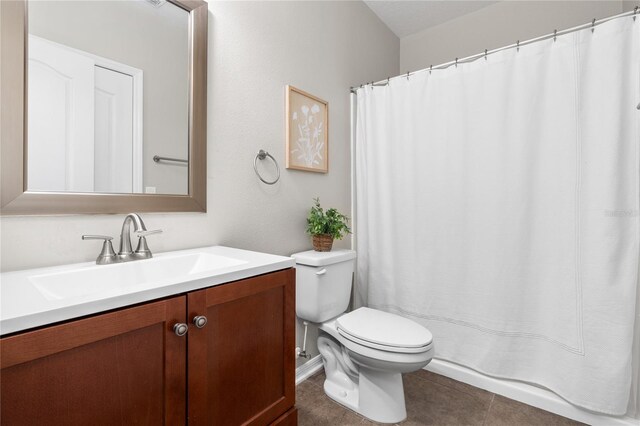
262 154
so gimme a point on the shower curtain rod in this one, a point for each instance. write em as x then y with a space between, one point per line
634 13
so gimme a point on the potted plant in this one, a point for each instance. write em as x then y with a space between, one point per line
324 227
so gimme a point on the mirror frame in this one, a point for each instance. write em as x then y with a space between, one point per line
16 199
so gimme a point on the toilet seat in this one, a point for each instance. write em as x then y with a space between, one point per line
401 358
384 331
386 348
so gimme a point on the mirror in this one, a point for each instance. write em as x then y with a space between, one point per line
114 106
108 89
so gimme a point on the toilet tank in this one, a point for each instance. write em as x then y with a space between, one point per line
323 283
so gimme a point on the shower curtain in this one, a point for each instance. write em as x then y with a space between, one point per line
497 204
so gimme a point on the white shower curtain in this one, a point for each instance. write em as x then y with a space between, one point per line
497 204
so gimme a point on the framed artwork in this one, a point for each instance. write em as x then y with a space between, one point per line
307 132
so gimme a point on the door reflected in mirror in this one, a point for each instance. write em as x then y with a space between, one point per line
108 90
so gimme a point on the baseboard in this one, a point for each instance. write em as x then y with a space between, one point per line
528 394
308 369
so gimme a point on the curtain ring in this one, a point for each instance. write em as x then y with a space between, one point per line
485 54
635 12
555 35
593 25
456 62
430 68
262 154
518 46
407 75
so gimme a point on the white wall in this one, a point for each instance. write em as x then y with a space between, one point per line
255 49
498 25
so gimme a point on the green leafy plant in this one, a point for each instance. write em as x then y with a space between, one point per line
330 222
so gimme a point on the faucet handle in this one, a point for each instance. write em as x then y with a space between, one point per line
142 251
107 255
97 237
145 233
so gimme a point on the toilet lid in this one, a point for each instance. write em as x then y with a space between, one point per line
383 329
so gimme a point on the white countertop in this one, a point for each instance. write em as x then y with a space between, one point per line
36 297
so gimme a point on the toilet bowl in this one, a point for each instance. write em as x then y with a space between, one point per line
365 351
368 378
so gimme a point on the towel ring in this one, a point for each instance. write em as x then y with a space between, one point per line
262 154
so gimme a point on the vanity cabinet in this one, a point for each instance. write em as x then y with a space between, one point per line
123 367
241 364
130 367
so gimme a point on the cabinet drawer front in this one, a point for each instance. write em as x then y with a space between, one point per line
241 364
123 367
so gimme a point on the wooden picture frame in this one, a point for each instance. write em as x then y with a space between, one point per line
307 131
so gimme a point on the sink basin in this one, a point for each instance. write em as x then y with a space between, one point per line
128 276
36 297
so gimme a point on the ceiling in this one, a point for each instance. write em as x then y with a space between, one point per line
408 17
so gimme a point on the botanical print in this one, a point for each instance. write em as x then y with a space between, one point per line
306 132
309 144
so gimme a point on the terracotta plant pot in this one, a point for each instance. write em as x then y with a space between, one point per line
322 242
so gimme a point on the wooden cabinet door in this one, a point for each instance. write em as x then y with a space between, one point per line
121 368
241 364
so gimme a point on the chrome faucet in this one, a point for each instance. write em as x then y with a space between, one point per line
126 254
142 250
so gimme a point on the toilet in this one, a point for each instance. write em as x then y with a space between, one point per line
365 351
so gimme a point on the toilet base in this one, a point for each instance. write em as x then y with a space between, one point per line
379 396
374 394
382 396
346 397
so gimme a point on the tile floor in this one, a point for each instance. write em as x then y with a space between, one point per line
431 400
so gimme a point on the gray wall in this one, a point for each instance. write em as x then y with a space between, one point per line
498 25
145 37
255 49
629 5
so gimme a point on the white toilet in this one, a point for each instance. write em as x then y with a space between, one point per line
364 351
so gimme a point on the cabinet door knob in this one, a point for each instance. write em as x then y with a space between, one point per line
200 321
180 329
